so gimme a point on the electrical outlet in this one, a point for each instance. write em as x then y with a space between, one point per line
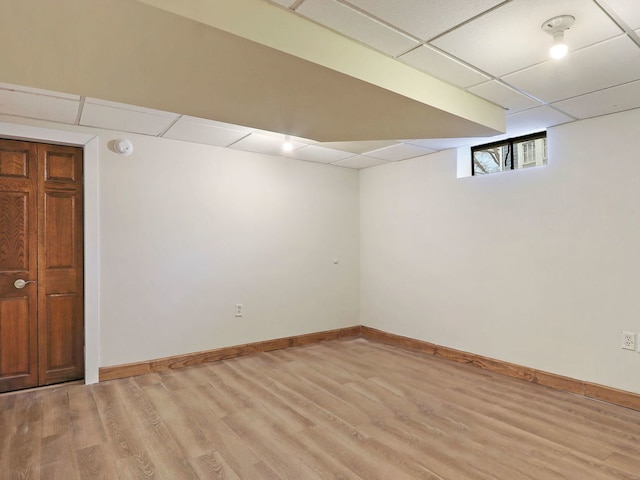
238 309
628 341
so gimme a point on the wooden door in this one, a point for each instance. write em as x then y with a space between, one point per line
60 264
18 260
41 324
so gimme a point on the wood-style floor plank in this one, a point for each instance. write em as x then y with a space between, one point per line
213 466
159 444
23 459
342 409
86 424
96 463
8 418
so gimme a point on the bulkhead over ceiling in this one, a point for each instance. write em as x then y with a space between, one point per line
241 62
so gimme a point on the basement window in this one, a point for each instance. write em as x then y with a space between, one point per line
510 154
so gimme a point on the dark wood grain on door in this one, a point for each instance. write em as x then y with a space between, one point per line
18 260
60 264
41 240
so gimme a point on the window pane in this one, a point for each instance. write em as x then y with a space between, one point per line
491 160
530 153
521 152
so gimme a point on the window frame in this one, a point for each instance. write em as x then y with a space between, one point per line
509 142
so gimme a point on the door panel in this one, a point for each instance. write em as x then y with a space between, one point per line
61 332
59 213
61 167
14 231
14 163
15 337
18 260
60 256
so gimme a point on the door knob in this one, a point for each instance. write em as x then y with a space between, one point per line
20 283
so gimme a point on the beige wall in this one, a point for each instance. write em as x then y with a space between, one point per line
538 267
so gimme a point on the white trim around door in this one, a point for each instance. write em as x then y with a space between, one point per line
91 144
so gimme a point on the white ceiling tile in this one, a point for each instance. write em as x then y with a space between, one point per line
280 136
215 123
447 143
43 107
534 120
314 153
508 98
199 132
267 144
354 24
425 18
439 65
600 66
117 116
361 146
359 161
126 106
520 123
39 91
510 38
401 151
627 10
610 100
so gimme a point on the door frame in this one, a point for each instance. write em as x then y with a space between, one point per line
91 146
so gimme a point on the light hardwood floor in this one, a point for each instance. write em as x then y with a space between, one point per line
342 409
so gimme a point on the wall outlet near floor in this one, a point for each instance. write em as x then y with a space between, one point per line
239 309
628 341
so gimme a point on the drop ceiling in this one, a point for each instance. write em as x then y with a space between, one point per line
486 49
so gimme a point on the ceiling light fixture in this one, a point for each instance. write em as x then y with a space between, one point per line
287 146
555 27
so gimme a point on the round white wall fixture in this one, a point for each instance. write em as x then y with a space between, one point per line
123 147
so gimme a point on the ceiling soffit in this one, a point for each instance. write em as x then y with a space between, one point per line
243 62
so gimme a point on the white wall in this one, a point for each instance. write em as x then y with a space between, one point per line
537 267
540 267
178 233
188 231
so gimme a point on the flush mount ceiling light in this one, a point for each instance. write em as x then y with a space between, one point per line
555 27
287 146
